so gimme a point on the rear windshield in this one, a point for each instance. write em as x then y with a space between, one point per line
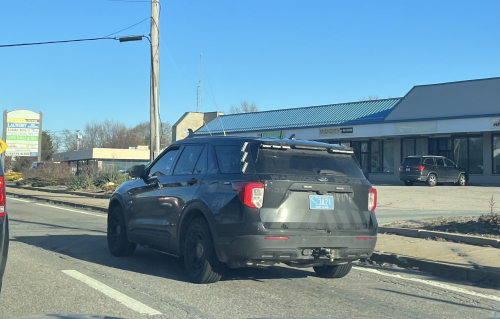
411 161
306 162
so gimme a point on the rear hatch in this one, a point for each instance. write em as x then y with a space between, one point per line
411 166
320 188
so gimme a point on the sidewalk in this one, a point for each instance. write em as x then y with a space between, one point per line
465 261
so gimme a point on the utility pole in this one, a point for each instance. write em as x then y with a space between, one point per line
154 148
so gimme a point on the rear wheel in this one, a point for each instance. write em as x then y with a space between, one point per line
200 260
461 180
409 183
333 271
118 243
432 180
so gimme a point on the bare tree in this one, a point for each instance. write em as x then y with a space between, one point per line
142 132
68 141
244 107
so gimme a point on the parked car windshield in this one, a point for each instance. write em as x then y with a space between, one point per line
411 161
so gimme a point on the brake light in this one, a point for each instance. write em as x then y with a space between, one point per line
372 199
2 197
401 168
277 238
420 168
251 193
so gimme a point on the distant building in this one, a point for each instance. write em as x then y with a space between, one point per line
459 120
105 159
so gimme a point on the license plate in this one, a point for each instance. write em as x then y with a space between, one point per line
320 202
408 169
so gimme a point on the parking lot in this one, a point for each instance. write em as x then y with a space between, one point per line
421 201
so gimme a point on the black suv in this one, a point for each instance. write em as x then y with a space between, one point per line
248 202
431 170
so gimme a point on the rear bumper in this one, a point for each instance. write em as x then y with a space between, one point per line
413 178
297 250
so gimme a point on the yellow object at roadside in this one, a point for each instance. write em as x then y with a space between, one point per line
14 176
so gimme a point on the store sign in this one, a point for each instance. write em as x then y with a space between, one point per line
496 124
336 131
22 133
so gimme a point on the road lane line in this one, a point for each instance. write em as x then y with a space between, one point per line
72 210
112 293
19 200
431 283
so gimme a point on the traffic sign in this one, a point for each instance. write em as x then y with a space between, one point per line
3 146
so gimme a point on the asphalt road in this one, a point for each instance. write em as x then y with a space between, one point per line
59 263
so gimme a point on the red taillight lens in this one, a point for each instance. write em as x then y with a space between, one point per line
401 168
2 197
251 193
277 238
372 199
420 168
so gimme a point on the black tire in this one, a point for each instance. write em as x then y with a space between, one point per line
118 243
200 260
409 183
333 271
432 180
462 180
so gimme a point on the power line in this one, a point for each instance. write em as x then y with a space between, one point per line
53 42
129 26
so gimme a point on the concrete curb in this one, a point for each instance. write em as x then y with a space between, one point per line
489 277
421 233
102 209
61 191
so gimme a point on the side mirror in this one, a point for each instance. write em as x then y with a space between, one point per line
137 171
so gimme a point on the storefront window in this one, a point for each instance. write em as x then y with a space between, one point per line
440 147
376 156
496 154
468 153
389 156
421 147
408 148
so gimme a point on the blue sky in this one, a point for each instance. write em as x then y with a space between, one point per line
280 54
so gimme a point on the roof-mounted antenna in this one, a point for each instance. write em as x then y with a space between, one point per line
292 137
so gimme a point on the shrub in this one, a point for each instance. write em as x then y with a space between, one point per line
80 182
101 179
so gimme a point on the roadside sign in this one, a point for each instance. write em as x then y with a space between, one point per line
3 146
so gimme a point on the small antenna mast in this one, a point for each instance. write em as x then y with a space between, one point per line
199 102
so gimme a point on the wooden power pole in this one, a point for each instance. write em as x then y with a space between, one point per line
155 81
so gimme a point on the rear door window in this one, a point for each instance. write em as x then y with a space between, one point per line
229 158
429 161
306 162
439 162
411 161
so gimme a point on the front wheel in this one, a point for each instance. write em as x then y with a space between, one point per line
461 180
409 183
200 260
333 271
118 243
432 180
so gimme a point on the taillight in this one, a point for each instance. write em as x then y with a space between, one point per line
401 168
372 199
420 168
251 193
2 197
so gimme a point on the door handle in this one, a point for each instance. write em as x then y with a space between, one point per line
192 181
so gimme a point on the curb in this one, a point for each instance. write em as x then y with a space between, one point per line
59 202
483 276
421 233
62 191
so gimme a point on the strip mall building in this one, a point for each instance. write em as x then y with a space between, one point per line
459 120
